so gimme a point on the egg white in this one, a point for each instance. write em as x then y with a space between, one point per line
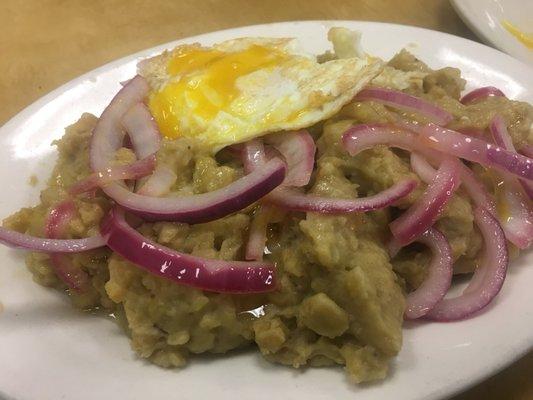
295 93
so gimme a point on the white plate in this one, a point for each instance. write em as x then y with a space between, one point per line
50 351
484 17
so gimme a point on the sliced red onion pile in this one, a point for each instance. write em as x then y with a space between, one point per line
517 218
441 145
407 102
56 224
423 214
516 221
275 175
200 273
477 150
107 139
481 93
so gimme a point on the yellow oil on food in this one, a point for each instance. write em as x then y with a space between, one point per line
206 84
502 205
525 38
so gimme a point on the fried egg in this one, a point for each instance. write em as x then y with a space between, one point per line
244 88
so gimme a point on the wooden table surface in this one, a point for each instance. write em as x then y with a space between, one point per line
45 43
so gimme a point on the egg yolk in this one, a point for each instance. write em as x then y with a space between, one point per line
204 83
524 38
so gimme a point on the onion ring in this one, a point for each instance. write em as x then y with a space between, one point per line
438 280
481 93
426 210
405 101
482 288
55 225
212 275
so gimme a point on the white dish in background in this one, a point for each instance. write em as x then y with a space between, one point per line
485 18
48 350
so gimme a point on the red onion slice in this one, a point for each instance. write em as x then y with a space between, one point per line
475 189
426 210
108 134
365 136
493 270
146 141
481 93
477 150
502 138
257 235
405 101
253 155
207 206
200 273
135 170
159 183
517 218
142 130
22 241
292 200
362 137
422 168
516 221
298 149
55 226
515 214
499 133
439 277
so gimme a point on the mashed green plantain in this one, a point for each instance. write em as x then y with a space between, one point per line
340 300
